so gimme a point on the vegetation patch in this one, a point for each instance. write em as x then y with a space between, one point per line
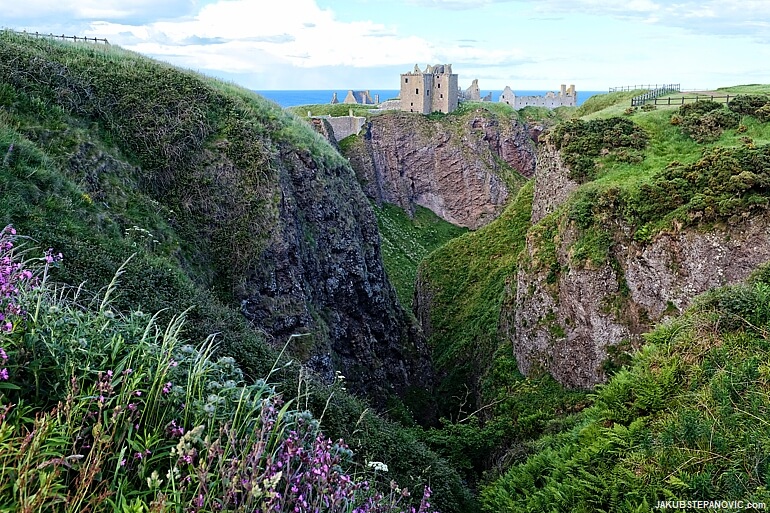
681 422
704 121
489 407
601 102
86 168
103 410
406 241
581 142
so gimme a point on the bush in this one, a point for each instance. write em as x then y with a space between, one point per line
706 124
748 104
763 113
699 108
582 142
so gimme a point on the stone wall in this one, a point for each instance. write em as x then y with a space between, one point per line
343 126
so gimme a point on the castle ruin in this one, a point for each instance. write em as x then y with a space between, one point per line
357 97
432 90
565 98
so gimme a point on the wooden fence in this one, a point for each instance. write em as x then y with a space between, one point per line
687 99
654 93
63 37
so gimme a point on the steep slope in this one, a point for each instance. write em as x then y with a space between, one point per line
250 202
636 238
685 421
464 166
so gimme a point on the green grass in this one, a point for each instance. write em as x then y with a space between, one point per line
684 421
334 110
490 409
606 105
105 410
406 241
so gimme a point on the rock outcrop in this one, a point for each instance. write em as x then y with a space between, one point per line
552 182
322 274
567 315
455 166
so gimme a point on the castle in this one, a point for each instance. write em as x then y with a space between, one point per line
432 90
565 98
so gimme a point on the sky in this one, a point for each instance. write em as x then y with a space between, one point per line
367 44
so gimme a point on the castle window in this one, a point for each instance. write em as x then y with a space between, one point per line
416 91
439 85
442 95
406 80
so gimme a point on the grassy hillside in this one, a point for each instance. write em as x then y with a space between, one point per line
647 168
406 241
105 154
686 420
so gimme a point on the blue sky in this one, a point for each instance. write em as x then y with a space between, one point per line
366 44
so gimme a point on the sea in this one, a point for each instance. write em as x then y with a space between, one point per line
293 98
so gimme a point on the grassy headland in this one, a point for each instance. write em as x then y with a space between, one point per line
105 154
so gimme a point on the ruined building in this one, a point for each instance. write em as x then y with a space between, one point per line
565 98
432 90
357 97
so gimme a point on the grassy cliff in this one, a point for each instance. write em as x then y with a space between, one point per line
105 154
639 173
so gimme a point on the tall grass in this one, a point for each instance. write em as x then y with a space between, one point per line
101 411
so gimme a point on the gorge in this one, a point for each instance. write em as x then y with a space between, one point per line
564 326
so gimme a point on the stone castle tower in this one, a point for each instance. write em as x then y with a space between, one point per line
432 90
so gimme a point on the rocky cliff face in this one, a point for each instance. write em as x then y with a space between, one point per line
322 275
455 166
552 183
266 212
567 315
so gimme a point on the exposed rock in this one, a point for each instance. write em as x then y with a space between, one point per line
675 267
452 166
322 274
566 314
552 183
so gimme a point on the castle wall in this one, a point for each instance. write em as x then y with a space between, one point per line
343 126
565 98
415 92
434 90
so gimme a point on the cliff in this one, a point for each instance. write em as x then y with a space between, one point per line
227 200
464 166
594 275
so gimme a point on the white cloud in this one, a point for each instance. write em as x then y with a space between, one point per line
136 11
235 36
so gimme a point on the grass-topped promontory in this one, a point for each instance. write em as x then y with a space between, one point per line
105 154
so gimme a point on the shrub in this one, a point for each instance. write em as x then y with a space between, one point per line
763 113
707 124
698 108
748 104
581 142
